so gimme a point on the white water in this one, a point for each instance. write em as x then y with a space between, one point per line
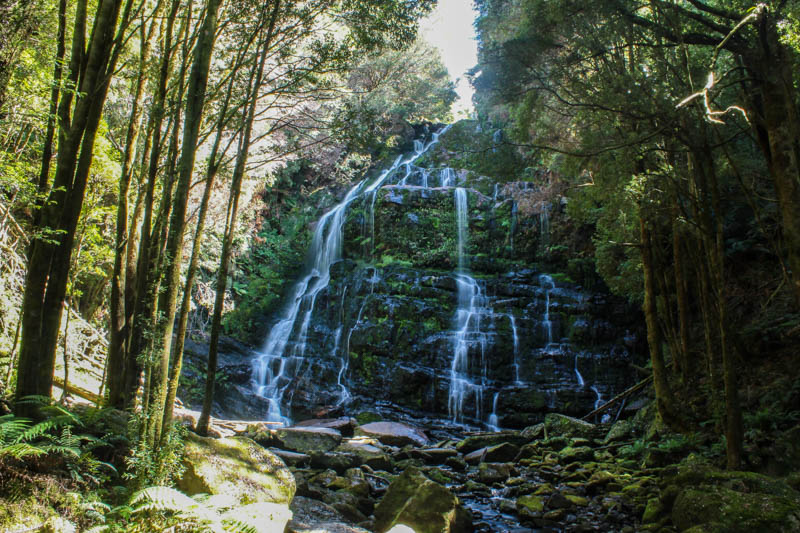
283 357
516 349
467 333
447 177
581 383
547 282
494 422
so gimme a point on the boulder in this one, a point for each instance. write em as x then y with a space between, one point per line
344 425
292 458
433 456
495 472
621 430
339 461
370 455
306 439
393 433
502 453
236 467
421 504
260 517
566 426
529 506
576 454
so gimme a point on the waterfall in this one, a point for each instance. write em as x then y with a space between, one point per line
467 333
494 422
282 358
447 177
548 284
581 383
516 349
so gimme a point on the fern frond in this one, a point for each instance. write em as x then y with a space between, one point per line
162 499
21 450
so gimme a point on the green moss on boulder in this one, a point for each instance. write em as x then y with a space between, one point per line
425 506
236 467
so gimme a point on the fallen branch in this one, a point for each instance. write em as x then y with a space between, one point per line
639 386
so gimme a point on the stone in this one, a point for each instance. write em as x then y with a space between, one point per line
566 426
529 506
531 433
292 458
652 511
307 439
328 527
621 430
370 454
456 463
344 425
476 457
236 467
560 501
338 461
579 454
433 456
393 433
421 504
494 472
501 453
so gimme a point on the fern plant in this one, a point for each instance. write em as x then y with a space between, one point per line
22 439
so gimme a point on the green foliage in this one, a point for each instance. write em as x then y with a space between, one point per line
23 440
162 465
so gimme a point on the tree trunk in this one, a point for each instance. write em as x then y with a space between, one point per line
664 399
118 333
46 280
230 226
198 81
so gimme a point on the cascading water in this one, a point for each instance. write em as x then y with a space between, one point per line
547 282
494 421
516 350
283 355
467 333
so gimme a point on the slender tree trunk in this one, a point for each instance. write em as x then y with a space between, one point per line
198 81
664 398
230 226
682 296
116 353
47 149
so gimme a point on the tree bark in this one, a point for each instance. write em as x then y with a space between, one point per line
664 398
198 81
46 280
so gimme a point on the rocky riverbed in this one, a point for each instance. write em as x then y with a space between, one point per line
560 475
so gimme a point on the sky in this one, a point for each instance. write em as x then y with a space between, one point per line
449 28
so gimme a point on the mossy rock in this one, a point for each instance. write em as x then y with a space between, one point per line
236 467
530 506
576 454
735 512
566 426
421 504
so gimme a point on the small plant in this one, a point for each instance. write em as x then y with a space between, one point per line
159 466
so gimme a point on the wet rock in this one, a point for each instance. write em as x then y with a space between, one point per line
433 456
425 506
566 426
476 457
370 454
304 440
529 506
338 461
393 433
579 454
501 453
292 458
236 467
621 430
456 463
494 472
560 501
344 425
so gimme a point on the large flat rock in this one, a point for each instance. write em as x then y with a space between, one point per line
393 433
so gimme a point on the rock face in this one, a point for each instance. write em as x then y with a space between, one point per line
401 263
236 467
427 507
